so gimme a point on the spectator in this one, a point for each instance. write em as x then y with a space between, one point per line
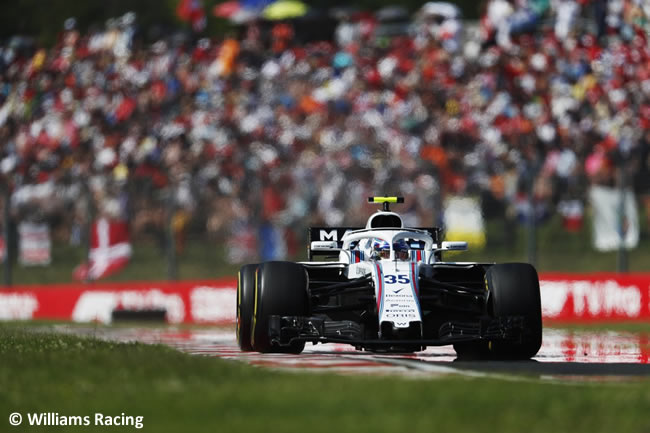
287 135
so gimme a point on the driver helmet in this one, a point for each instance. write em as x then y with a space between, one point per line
401 250
380 249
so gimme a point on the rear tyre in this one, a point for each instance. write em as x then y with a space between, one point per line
245 305
514 291
281 290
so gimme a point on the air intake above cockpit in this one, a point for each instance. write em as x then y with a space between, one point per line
384 220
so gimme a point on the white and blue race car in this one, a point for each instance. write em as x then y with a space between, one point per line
385 288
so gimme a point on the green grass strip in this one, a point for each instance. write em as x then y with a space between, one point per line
47 372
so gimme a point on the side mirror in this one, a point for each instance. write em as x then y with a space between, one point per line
324 245
454 246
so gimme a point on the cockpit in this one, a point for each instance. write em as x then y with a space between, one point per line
383 238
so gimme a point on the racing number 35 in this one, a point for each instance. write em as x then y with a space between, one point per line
401 278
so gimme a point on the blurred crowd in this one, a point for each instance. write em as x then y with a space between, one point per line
252 138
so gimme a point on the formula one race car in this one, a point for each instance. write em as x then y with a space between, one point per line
388 290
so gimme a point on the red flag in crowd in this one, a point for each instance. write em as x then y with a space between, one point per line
110 250
192 11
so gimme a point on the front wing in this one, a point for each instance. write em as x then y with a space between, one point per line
285 330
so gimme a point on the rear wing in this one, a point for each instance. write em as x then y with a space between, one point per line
335 234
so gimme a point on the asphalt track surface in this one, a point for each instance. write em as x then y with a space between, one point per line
565 355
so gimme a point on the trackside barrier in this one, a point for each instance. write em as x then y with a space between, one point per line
210 302
595 297
565 297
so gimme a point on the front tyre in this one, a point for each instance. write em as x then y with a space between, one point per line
245 306
514 291
281 289
472 350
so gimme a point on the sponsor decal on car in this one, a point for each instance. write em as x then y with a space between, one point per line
398 290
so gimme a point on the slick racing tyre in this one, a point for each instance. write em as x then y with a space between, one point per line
245 305
472 350
281 290
514 291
